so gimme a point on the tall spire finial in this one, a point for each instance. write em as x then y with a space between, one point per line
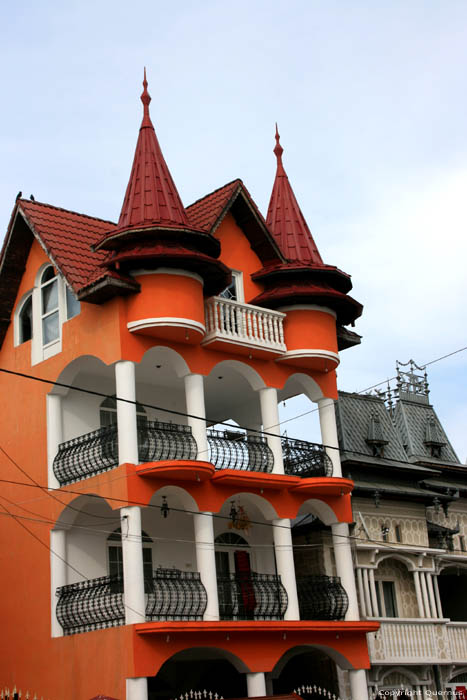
278 150
146 99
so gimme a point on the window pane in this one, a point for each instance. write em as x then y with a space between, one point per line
25 328
48 274
50 328
389 594
73 307
230 292
50 297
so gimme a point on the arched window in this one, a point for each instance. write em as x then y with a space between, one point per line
50 315
25 321
115 557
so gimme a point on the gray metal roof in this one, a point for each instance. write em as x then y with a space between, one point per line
411 419
354 414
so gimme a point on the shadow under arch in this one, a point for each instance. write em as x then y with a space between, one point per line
212 669
86 505
251 375
410 565
319 508
165 356
187 501
293 652
300 383
407 673
266 509
88 364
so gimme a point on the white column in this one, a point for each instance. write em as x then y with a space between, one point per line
256 685
437 596
418 592
431 596
194 396
58 574
132 555
126 412
136 689
426 603
374 597
327 421
206 561
361 595
54 435
285 565
270 420
344 566
358 686
366 587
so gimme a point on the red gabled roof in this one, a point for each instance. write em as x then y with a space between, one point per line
286 220
151 196
206 212
68 238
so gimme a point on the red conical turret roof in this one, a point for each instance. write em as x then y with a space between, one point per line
286 221
151 197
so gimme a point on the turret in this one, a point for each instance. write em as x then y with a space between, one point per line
314 295
174 262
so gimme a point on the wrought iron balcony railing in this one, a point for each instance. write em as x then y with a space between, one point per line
251 596
97 452
321 598
235 450
305 459
98 603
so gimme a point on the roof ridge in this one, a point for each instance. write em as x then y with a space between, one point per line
68 211
218 189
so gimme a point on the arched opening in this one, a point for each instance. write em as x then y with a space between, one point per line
298 410
197 670
395 589
304 669
452 583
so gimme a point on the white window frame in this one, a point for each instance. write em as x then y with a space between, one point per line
237 277
17 340
39 351
381 603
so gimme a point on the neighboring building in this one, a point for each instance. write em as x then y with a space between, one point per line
410 512
145 554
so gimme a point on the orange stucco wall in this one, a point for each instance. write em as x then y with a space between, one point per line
167 296
237 254
310 329
77 667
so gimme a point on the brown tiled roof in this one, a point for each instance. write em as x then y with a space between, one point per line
69 237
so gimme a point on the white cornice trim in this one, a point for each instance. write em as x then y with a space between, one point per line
172 321
310 352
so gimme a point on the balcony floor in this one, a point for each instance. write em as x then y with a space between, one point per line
259 644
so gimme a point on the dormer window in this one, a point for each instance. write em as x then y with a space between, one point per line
433 438
375 437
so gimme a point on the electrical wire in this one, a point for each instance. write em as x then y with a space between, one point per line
209 420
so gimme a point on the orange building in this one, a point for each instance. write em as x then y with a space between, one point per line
146 553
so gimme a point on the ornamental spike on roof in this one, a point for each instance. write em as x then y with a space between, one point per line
151 196
286 220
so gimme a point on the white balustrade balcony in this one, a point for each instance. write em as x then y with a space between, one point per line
243 328
414 641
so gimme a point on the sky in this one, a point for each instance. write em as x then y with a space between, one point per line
371 102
